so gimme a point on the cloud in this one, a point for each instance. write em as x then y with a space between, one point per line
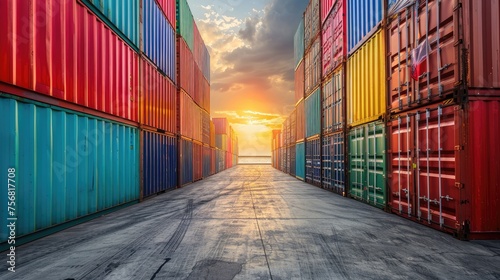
248 33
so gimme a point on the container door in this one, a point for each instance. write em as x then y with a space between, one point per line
357 163
338 169
376 170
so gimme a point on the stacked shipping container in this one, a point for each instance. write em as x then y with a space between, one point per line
105 107
408 92
226 142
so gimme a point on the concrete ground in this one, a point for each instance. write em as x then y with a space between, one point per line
253 222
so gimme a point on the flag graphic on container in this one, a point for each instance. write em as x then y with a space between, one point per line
419 55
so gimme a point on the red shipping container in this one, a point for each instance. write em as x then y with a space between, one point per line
444 171
197 162
158 99
221 125
95 69
334 39
186 67
326 7
463 52
299 82
312 70
168 7
190 118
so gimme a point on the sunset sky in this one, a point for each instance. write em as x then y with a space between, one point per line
251 48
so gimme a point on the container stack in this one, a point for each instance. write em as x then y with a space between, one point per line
312 83
226 142
403 117
276 149
444 93
334 54
194 98
300 148
103 106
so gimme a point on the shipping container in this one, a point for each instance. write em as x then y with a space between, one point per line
312 70
367 164
168 8
364 17
197 161
301 121
185 23
438 71
186 67
158 39
205 128
190 118
220 161
158 99
79 164
366 85
300 163
311 23
313 161
186 171
313 114
293 127
221 125
213 161
333 103
159 163
212 134
201 55
444 170
300 82
121 16
96 70
333 175
207 156
293 160
299 44
221 142
326 8
334 33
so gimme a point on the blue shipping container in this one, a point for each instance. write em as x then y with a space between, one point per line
159 43
300 163
313 161
313 113
207 152
120 15
67 165
363 17
186 162
159 163
334 163
299 43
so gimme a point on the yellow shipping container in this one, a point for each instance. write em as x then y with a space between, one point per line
366 82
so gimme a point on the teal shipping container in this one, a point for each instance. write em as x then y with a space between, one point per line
313 114
120 15
300 163
185 23
367 164
66 166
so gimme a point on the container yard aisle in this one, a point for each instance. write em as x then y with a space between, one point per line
253 222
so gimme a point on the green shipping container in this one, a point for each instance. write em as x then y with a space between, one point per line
313 113
300 163
185 23
66 166
367 164
120 15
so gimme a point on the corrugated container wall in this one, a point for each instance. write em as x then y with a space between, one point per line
432 184
334 33
333 103
197 162
212 134
300 162
301 121
363 18
186 162
366 86
191 118
469 24
168 7
313 67
185 23
158 99
186 68
299 43
311 23
221 125
78 165
326 7
313 114
122 16
207 155
159 163
313 161
299 82
333 165
84 72
367 160
158 39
